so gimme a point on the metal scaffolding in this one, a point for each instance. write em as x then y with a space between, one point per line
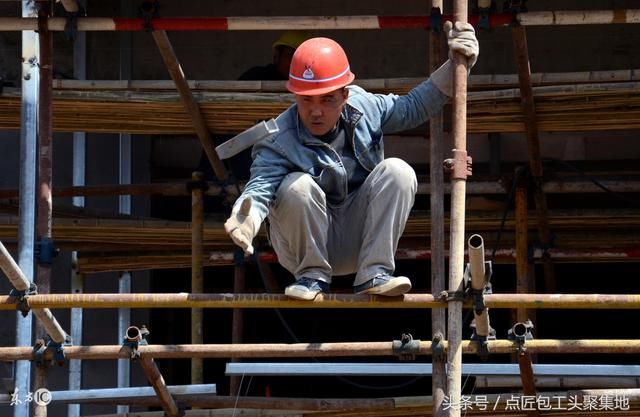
36 122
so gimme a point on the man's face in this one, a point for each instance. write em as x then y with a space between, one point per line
320 114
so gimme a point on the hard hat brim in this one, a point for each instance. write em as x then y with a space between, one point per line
302 89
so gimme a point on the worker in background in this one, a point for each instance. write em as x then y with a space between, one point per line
282 51
335 206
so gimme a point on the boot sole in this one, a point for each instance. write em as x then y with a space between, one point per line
395 287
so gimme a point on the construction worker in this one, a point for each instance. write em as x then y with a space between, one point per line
282 51
335 206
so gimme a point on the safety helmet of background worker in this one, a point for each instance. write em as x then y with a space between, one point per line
319 66
291 38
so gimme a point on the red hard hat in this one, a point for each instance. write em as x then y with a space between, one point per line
318 66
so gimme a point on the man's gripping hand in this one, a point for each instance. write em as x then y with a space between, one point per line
461 38
240 227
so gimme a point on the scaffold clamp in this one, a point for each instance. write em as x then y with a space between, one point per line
520 333
438 352
482 342
460 166
23 298
46 250
135 337
71 25
406 348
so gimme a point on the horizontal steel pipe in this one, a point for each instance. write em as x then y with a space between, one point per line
229 300
114 395
303 350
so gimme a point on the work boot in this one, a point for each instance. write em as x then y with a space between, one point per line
306 288
384 285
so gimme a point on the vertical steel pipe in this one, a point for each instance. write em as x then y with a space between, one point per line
478 282
436 196
124 202
45 175
79 179
30 84
458 191
197 277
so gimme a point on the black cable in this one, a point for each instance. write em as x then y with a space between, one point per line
505 212
593 181
340 378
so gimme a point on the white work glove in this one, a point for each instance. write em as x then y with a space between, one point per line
241 227
461 38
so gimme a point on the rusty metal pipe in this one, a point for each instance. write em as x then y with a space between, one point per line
457 222
157 382
141 300
337 349
133 334
436 200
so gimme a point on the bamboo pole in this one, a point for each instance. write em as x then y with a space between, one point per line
533 145
190 105
197 273
140 300
436 204
326 350
457 238
157 382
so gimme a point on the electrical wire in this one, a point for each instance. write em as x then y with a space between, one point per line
295 339
593 181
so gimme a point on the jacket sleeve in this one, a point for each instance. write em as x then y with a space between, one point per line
411 110
267 172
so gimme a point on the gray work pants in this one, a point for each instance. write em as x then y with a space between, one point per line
316 239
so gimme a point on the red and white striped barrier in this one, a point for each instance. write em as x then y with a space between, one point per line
589 17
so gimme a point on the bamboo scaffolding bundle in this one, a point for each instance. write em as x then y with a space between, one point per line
92 263
574 229
228 300
324 350
590 107
399 85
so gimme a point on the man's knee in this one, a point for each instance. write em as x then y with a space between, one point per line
299 187
400 173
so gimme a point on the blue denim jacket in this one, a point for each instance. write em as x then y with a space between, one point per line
367 117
